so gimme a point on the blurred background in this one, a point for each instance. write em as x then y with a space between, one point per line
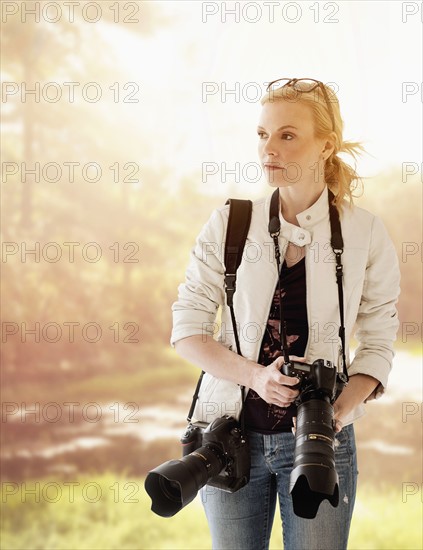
123 125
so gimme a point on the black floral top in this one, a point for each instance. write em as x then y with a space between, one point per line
259 415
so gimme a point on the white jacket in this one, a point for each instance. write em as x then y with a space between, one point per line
371 289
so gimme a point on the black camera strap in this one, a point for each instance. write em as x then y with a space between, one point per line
238 225
236 235
240 211
337 245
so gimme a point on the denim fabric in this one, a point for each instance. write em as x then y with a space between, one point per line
243 520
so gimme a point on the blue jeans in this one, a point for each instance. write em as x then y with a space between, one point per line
243 520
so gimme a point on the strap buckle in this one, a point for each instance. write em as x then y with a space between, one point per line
230 285
230 281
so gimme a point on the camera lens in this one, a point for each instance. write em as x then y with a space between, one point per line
314 477
170 489
174 484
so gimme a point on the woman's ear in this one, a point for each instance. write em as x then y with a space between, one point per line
328 148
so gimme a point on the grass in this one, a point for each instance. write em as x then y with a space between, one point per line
120 518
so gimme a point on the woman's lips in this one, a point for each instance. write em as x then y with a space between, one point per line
269 167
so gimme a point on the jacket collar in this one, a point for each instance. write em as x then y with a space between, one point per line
307 219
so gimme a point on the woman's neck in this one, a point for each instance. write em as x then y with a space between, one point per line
294 200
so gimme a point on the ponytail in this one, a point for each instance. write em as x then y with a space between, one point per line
341 178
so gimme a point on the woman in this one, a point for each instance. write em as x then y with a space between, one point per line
300 136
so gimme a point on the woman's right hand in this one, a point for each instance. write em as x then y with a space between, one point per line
273 386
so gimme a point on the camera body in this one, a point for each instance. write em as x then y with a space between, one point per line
318 380
224 438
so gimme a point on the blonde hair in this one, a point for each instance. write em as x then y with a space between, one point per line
340 177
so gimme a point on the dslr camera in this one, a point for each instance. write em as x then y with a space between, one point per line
216 454
314 477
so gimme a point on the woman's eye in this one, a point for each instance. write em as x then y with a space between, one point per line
285 137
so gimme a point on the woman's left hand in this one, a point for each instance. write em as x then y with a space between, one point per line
337 424
359 387
341 408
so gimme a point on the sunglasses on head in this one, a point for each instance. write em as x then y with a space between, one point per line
307 85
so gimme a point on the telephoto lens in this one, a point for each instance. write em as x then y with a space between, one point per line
314 477
175 483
